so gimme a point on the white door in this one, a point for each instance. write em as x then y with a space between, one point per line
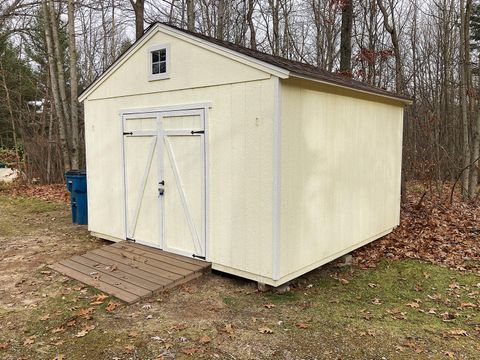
164 156
184 175
142 149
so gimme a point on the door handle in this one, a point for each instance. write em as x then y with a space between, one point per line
161 189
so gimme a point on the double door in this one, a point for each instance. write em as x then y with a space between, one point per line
164 169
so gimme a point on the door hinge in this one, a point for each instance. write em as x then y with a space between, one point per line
198 132
199 257
128 133
130 240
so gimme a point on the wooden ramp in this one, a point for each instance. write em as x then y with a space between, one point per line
131 271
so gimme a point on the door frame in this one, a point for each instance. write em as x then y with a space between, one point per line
132 112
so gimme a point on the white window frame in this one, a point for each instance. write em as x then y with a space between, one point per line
160 76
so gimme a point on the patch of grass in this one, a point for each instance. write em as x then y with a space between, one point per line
27 205
402 299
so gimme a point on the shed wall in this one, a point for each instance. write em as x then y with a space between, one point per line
239 143
340 173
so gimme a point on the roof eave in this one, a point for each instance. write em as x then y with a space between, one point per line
400 99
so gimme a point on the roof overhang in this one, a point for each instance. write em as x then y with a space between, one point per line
400 99
152 30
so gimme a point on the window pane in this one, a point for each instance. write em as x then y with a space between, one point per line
155 56
163 67
155 68
163 54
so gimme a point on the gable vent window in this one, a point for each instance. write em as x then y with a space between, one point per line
159 62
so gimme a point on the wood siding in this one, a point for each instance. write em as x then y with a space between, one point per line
340 173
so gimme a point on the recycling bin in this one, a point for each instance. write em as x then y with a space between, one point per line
77 186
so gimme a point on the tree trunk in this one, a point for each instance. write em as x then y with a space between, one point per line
55 90
221 20
274 7
392 30
346 38
251 26
139 10
75 156
463 100
190 15
475 147
58 55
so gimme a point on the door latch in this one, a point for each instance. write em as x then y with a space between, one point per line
161 189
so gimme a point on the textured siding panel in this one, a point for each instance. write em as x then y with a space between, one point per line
340 173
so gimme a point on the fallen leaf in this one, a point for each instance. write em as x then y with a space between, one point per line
3 346
458 332
111 268
179 326
468 305
191 351
59 357
133 334
454 285
265 330
45 317
86 313
59 329
376 301
204 340
269 306
413 305
99 299
302 326
344 281
71 323
228 329
372 285
128 349
29 340
112 305
449 354
81 333
418 287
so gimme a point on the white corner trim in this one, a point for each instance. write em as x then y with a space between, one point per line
277 115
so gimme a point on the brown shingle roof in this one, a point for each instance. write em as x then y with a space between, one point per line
296 68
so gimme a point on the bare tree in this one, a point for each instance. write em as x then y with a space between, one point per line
346 37
139 10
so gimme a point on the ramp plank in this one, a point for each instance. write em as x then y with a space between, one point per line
131 271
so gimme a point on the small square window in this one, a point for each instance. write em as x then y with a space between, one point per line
159 62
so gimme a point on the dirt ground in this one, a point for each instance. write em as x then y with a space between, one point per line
400 309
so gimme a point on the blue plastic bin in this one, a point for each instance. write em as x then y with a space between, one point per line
77 186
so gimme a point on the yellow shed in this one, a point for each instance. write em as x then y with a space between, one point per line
265 167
